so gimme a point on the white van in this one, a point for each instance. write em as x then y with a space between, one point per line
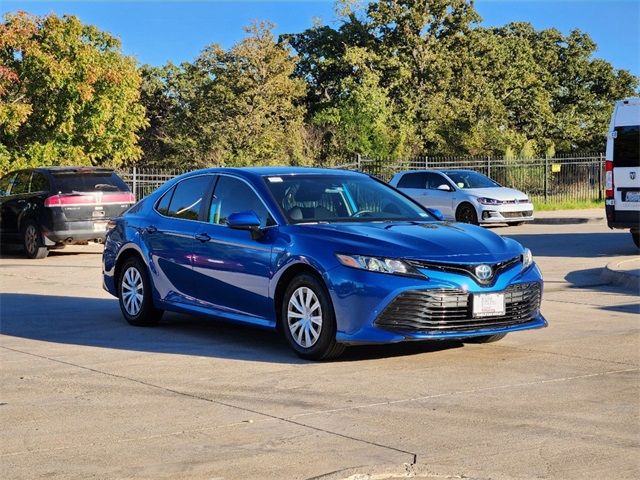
622 181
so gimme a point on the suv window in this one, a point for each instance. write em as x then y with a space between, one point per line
187 198
5 184
39 183
626 147
88 181
412 180
21 183
233 195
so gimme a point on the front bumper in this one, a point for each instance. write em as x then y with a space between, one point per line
361 297
520 212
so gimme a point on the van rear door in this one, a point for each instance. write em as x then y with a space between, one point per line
626 167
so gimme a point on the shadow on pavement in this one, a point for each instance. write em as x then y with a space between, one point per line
98 323
576 245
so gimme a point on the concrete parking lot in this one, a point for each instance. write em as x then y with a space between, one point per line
84 395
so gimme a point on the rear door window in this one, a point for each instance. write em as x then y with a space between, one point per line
21 183
91 181
626 147
187 197
412 180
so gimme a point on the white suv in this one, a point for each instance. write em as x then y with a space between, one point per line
622 181
465 196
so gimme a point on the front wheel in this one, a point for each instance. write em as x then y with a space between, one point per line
308 319
32 241
467 214
134 294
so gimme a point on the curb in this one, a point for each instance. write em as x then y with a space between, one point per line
625 278
566 220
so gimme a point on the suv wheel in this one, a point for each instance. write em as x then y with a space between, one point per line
32 241
134 294
308 320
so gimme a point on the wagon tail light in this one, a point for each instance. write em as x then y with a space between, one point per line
99 198
608 179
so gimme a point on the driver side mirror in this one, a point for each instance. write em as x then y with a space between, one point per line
444 187
245 221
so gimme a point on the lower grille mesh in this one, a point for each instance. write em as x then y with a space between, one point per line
450 310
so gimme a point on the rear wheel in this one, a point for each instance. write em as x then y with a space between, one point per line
635 234
486 339
32 241
308 319
467 214
134 294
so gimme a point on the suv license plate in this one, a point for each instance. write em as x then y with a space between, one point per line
488 305
99 226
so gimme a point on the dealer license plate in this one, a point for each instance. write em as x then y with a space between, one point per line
488 305
632 197
99 226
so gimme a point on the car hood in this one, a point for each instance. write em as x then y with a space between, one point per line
438 241
497 193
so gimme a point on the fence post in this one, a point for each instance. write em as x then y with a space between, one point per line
359 162
489 167
135 182
546 178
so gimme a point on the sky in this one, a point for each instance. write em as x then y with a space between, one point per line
158 31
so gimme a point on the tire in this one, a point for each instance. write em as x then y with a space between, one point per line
308 319
635 235
514 224
466 214
134 294
486 339
32 241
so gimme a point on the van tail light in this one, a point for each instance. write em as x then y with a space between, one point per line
609 184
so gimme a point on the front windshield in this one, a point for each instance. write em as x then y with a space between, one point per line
469 179
340 198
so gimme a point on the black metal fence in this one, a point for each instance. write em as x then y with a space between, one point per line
549 180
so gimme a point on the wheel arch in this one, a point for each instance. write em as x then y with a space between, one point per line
285 278
123 256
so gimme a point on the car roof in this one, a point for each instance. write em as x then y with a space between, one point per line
278 171
72 169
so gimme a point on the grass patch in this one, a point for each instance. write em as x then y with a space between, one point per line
568 205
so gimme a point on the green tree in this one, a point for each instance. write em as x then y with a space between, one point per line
247 105
68 95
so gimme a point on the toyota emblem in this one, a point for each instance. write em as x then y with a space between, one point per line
484 272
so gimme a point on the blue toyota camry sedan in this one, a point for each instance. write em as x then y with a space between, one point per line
329 257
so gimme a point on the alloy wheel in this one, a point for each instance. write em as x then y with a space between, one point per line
132 291
31 239
304 317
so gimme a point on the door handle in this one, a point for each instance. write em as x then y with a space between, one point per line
203 237
151 229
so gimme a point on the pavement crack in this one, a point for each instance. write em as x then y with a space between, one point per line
566 355
288 420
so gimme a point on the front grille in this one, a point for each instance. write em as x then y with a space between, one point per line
445 310
525 213
465 269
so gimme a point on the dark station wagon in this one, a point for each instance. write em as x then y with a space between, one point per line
47 208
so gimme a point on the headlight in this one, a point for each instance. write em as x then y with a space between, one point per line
378 264
527 259
489 201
